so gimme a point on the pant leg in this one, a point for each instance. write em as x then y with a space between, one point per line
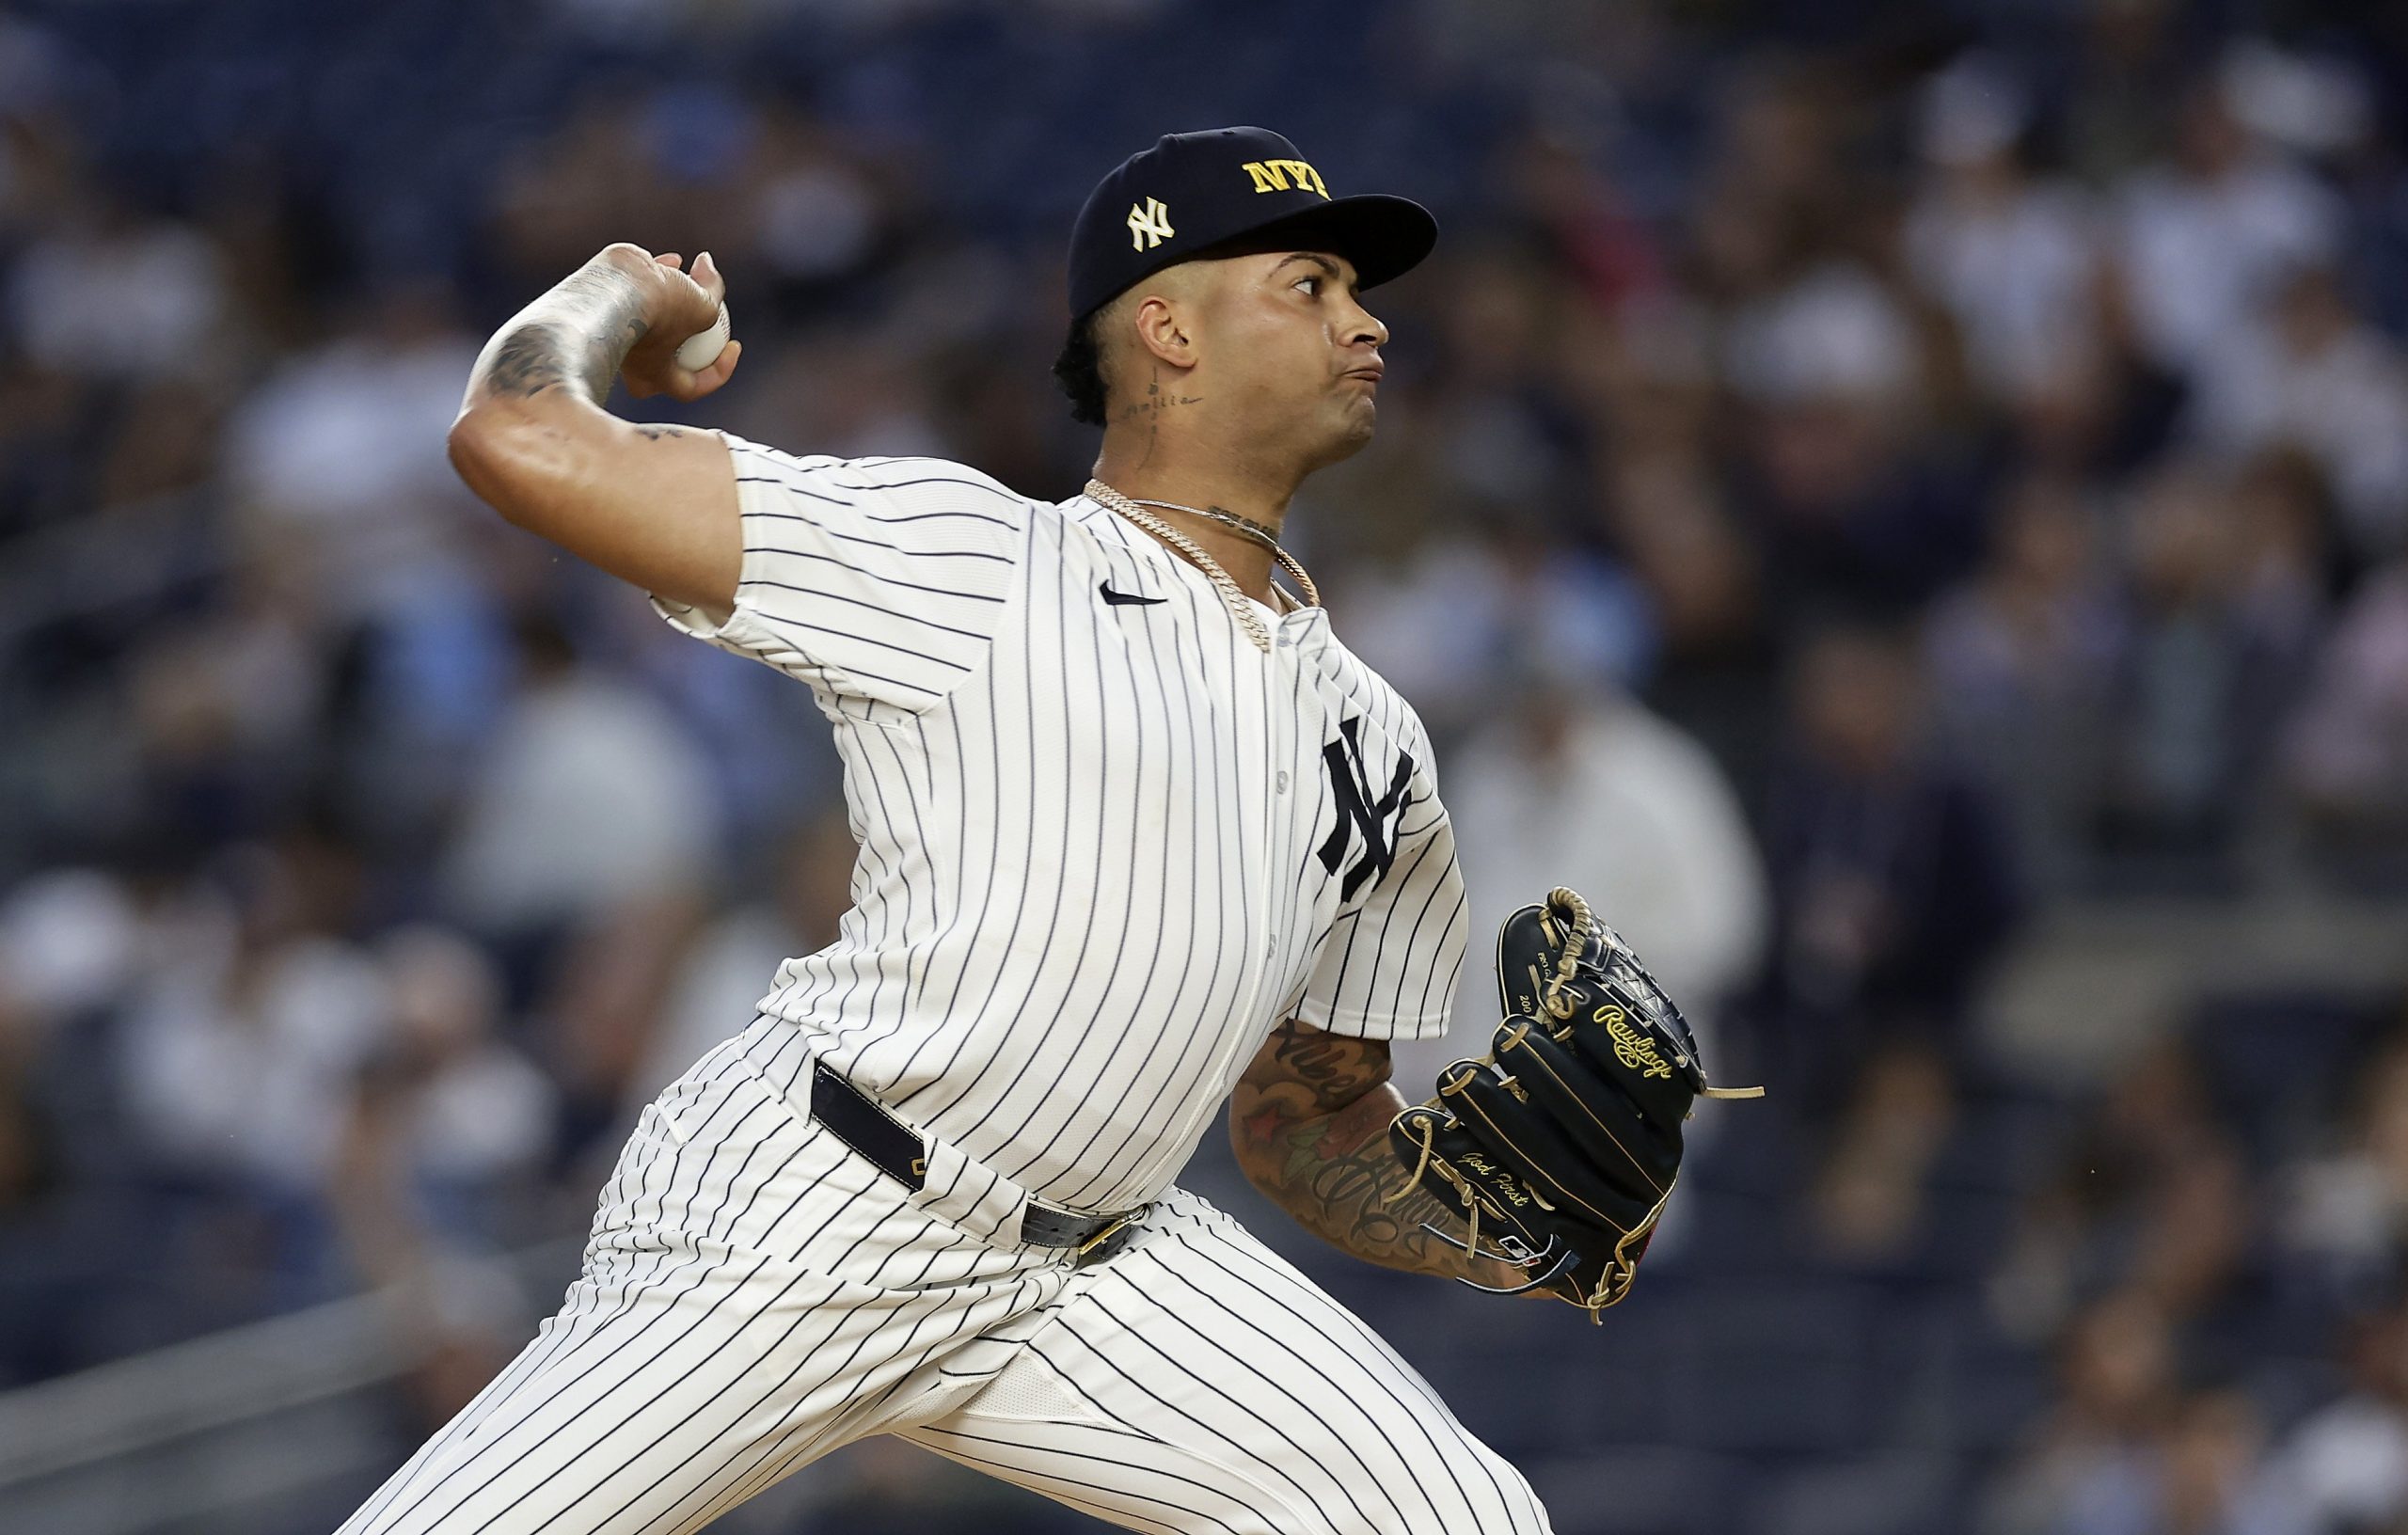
755 1293
1196 1383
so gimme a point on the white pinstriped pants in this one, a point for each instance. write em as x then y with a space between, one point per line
757 1294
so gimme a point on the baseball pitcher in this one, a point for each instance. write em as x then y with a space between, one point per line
1138 835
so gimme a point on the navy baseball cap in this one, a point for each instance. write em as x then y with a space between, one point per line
1194 192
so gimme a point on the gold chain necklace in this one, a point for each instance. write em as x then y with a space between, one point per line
1262 533
1241 606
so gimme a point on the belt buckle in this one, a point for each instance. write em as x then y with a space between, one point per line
1108 1238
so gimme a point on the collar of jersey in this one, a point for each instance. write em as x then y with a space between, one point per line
1094 515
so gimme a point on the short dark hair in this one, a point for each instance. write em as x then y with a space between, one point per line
1080 372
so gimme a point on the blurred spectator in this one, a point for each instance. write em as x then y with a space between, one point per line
588 798
2314 375
2343 1470
2227 598
563 195
2347 746
1503 433
2204 1476
165 444
2014 258
1509 594
2020 659
727 970
239 1056
1835 332
71 944
598 992
1699 569
2118 1390
224 712
1868 1196
1861 506
820 215
2345 1213
45 475
1893 881
2149 1199
2206 238
32 1178
26 1152
107 294
340 448
445 1115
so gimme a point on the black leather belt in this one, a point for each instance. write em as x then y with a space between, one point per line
896 1149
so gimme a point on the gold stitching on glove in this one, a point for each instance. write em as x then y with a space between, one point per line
1429 1146
1542 1063
1527 1188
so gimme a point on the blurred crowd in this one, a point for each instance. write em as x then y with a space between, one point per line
1854 480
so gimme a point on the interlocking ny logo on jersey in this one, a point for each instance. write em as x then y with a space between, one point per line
1277 176
1148 225
1356 808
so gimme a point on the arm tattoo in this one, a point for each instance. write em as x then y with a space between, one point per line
526 362
1313 1136
1337 1070
578 334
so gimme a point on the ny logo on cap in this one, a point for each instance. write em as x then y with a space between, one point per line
1148 225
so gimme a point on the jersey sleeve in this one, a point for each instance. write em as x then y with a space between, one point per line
1389 967
879 580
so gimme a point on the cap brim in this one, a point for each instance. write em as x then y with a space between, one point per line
1385 237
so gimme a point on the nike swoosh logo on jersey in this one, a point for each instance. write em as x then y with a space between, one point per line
1125 599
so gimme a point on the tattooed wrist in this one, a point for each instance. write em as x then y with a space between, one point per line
578 336
1337 1173
612 303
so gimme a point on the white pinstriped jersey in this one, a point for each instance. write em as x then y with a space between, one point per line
1108 842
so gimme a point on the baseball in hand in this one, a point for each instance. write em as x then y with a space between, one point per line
703 348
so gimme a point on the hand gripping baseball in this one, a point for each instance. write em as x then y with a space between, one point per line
675 353
1563 1145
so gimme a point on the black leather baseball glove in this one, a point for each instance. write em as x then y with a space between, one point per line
1563 1146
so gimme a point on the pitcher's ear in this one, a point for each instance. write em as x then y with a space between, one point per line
1163 331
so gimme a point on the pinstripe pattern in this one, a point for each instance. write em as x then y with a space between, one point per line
755 1295
1206 1386
1092 872
749 1285
1105 850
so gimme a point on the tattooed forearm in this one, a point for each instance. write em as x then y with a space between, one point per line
1337 1070
578 335
1309 1124
526 361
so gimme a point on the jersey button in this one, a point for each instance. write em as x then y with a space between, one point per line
1283 781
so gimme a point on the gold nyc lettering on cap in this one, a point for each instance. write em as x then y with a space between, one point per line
1278 175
